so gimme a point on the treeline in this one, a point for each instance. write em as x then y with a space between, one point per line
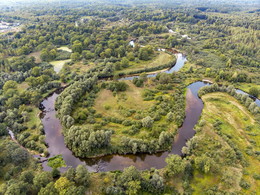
23 85
24 176
71 94
160 67
244 99
226 42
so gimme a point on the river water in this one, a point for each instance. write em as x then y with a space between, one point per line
55 139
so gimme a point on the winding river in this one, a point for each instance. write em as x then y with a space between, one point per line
55 139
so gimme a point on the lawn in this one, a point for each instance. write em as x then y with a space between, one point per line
34 119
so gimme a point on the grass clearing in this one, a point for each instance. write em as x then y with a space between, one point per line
58 65
34 117
235 119
81 68
109 105
246 87
201 181
37 55
160 59
64 48
129 106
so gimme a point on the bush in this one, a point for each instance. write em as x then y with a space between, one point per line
244 184
254 91
117 86
147 122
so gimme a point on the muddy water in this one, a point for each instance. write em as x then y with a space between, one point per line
54 137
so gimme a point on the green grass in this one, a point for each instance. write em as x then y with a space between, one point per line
36 55
202 181
160 59
130 99
58 65
81 68
33 125
246 87
118 105
34 117
234 118
64 48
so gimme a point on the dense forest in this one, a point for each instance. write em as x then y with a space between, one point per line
109 64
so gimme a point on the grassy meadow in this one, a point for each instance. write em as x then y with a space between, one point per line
229 124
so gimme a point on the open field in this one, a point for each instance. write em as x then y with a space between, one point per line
246 87
64 48
129 105
80 67
58 65
161 59
234 120
34 118
109 105
36 55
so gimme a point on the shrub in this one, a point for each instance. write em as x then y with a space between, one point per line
244 184
147 122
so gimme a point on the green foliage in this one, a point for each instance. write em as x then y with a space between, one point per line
20 156
49 190
204 163
124 62
82 176
254 91
225 49
3 130
55 173
41 180
62 185
75 56
27 176
133 187
77 47
117 86
48 55
56 162
244 184
175 165
147 122
91 142
143 54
